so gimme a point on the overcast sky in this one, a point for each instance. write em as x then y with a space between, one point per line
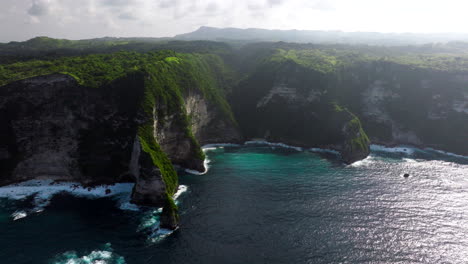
77 19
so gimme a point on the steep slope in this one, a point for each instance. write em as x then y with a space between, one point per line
138 117
401 104
114 121
283 101
411 98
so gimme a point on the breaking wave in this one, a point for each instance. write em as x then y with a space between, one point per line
100 256
263 142
320 150
43 191
400 149
206 162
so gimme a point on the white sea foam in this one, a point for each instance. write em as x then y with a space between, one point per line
400 149
18 215
206 165
126 205
101 256
412 150
363 163
320 150
206 162
446 153
43 191
150 222
180 190
218 145
210 149
160 234
410 160
263 142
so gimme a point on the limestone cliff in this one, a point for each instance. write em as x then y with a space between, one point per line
399 104
286 102
55 128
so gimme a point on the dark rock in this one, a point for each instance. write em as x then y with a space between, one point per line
169 217
289 103
406 175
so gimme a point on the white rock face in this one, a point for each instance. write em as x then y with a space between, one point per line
314 96
461 106
197 109
279 90
208 122
291 94
404 137
373 98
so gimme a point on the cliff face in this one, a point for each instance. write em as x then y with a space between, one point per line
286 102
54 128
399 104
207 123
131 117
419 100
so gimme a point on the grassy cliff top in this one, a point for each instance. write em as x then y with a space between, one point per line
172 74
328 58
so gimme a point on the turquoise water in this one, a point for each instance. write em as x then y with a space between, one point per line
263 204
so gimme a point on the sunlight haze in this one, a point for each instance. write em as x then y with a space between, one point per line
24 19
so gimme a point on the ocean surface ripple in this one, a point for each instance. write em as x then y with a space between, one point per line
266 204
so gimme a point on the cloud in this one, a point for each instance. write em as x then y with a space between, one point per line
212 8
168 3
272 3
128 16
39 8
74 19
323 5
118 2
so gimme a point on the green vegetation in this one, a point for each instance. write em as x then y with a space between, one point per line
150 146
330 58
361 141
168 76
171 73
354 127
160 159
313 59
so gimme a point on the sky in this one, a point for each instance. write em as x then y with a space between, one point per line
78 19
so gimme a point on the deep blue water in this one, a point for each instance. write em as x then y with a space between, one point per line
260 204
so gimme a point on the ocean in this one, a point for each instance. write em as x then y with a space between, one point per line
256 204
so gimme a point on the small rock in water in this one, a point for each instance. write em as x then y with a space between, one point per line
108 191
406 175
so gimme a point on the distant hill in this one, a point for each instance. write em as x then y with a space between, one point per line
49 48
315 36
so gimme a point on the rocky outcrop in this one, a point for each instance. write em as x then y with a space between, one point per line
149 188
169 216
356 146
201 122
131 129
399 104
57 129
288 103
209 123
54 128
